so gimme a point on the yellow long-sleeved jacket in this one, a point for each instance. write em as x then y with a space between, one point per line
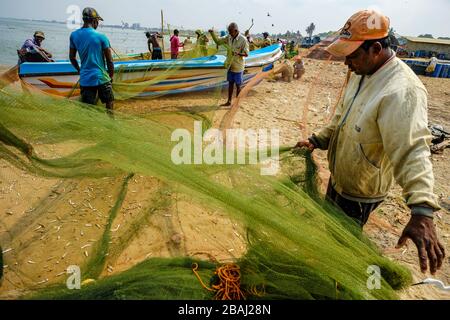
380 132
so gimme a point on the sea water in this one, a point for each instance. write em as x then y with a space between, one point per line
13 34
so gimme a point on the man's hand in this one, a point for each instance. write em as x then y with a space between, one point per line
305 144
421 230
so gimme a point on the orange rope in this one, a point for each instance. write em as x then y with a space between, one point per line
229 283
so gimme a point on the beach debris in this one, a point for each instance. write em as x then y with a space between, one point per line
441 138
116 229
40 226
31 262
64 255
437 283
7 250
86 246
42 282
177 238
86 254
73 204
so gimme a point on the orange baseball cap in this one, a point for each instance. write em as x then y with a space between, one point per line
363 25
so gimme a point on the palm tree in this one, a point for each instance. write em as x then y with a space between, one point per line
310 29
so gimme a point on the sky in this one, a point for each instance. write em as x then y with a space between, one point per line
408 17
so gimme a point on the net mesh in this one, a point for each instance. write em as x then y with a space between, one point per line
139 225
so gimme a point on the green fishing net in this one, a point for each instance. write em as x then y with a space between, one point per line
136 223
290 245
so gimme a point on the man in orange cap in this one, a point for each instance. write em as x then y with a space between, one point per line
380 133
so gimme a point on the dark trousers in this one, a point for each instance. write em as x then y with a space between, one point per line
357 210
157 54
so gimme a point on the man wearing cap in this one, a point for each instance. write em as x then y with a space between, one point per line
202 43
94 49
32 51
266 42
379 134
238 49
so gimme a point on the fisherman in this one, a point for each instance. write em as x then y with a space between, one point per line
299 68
379 132
290 49
153 45
251 43
238 49
32 50
431 66
202 42
175 45
266 40
94 49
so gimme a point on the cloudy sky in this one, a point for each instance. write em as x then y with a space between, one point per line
408 17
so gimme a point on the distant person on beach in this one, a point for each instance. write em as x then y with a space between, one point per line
251 43
431 66
32 50
175 45
153 45
94 49
299 68
202 43
379 134
238 49
266 40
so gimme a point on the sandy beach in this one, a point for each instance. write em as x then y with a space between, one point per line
47 223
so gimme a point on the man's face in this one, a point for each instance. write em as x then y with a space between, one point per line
233 31
95 24
362 62
38 40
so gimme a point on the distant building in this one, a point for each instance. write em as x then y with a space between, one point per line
136 26
426 47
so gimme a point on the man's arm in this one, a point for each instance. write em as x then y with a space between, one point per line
403 124
73 59
218 41
109 62
244 50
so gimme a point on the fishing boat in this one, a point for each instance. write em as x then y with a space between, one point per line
149 77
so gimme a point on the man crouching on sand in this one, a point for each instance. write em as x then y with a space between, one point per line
380 133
